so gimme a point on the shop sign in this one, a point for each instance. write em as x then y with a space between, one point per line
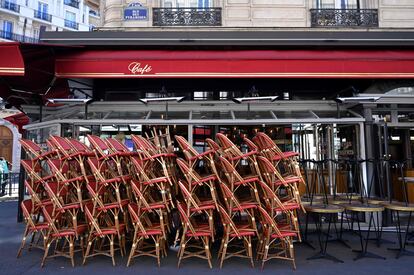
139 68
135 11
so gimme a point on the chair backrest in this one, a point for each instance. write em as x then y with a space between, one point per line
267 219
229 149
62 144
187 149
184 216
230 171
58 168
51 216
134 213
78 146
92 220
213 145
187 194
98 144
32 168
269 171
226 220
27 209
187 171
139 169
31 148
136 189
116 145
230 197
250 144
97 168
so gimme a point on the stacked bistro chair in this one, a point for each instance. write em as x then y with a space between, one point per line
104 199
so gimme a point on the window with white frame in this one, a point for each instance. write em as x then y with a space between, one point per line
186 3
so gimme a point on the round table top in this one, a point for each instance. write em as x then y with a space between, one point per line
377 201
399 206
343 202
324 208
364 207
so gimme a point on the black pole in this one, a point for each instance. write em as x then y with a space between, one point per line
22 176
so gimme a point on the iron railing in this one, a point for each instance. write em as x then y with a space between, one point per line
17 37
43 15
72 3
366 18
9 185
71 24
186 17
9 6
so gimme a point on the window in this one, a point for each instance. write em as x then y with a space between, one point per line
186 3
42 8
337 4
70 16
7 29
36 33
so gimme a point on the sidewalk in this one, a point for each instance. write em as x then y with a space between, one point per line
29 263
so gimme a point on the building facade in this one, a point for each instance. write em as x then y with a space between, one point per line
22 20
361 14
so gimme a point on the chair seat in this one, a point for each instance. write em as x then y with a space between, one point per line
287 180
69 206
247 179
245 206
39 226
110 230
156 180
199 233
244 232
154 205
81 228
284 234
113 205
204 205
285 155
288 206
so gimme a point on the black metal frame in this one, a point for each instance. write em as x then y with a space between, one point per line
42 15
17 37
186 17
4 4
363 18
71 24
72 3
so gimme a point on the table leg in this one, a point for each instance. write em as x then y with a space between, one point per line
363 253
402 243
323 245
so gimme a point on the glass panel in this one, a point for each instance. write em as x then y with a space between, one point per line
211 115
128 115
332 114
171 115
293 114
253 114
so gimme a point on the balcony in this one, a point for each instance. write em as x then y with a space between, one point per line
17 37
9 6
72 3
71 24
186 17
361 18
43 16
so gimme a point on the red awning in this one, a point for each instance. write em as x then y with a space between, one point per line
11 59
234 64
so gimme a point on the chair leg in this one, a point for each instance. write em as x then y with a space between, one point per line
223 254
132 252
207 249
88 248
71 251
182 249
250 252
157 250
111 239
266 251
46 253
26 232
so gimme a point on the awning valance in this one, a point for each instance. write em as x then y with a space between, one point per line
236 64
11 59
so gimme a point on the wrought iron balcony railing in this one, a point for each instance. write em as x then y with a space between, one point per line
17 37
72 3
365 18
9 6
186 17
43 15
71 24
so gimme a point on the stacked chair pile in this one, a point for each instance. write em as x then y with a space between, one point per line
104 199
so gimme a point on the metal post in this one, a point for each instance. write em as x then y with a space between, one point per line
248 110
190 134
387 156
22 177
166 109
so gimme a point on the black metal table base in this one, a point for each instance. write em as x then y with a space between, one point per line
363 252
402 251
323 245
